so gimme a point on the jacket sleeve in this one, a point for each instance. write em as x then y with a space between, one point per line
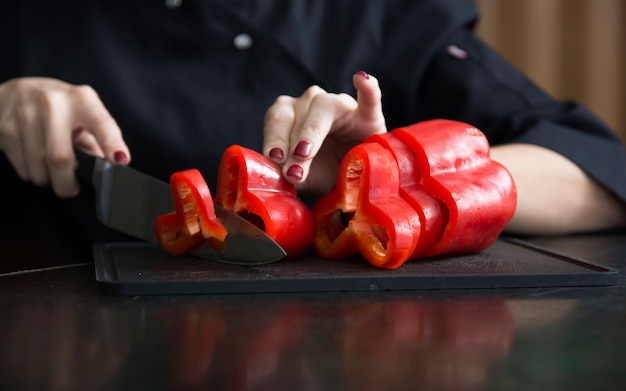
468 81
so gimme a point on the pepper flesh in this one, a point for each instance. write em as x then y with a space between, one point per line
194 218
382 224
253 186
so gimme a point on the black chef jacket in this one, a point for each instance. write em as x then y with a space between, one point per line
184 80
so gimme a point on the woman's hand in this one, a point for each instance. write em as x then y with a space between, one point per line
309 135
42 120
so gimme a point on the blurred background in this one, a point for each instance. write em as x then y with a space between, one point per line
574 49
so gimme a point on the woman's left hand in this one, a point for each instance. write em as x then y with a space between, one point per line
309 135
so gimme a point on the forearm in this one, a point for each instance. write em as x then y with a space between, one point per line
554 195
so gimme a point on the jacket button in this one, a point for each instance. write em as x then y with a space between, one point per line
173 4
243 41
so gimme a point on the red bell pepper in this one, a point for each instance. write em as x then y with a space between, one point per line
477 195
253 186
381 224
194 218
171 235
434 179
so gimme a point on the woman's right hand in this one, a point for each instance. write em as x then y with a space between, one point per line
42 120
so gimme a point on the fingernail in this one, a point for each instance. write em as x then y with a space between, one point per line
120 157
363 74
295 171
302 149
277 153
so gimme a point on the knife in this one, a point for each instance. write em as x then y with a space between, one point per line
129 201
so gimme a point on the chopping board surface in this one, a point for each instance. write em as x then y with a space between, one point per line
138 268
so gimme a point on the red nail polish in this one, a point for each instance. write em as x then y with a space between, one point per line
295 171
363 74
120 157
277 153
303 149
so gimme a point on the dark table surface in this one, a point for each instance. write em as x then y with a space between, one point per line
59 331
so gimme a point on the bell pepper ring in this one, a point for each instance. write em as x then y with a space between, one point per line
381 223
253 186
430 223
194 218
478 195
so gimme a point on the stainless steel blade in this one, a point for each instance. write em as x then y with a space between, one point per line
129 201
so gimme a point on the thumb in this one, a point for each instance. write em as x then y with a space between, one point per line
369 97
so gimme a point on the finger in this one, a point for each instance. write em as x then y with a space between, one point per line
11 143
281 118
57 130
369 97
303 103
96 119
31 130
278 122
306 140
86 142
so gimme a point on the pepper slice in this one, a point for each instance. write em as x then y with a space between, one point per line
253 186
171 235
430 223
381 223
194 217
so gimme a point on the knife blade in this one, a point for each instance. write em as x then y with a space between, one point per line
129 201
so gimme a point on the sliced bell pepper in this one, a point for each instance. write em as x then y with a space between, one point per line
194 218
381 224
477 195
435 182
171 235
253 186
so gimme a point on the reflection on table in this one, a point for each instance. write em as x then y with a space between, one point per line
58 332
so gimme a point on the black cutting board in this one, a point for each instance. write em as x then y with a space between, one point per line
137 268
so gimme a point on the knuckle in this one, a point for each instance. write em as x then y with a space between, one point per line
83 92
323 100
282 100
279 114
59 160
341 99
39 178
46 98
314 130
313 91
334 103
8 132
88 98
